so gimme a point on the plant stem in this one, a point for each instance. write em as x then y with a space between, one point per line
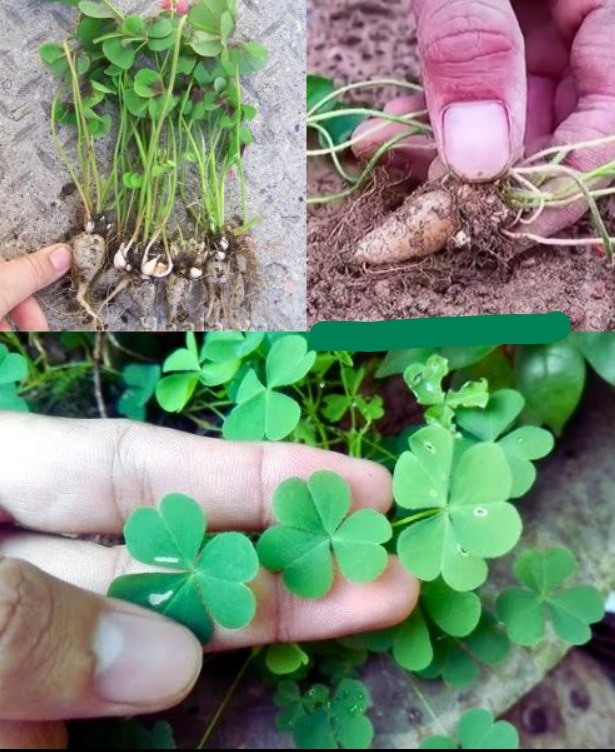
417 516
225 701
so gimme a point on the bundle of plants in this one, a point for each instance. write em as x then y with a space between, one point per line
161 126
447 213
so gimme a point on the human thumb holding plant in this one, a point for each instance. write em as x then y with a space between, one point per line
504 78
66 650
24 276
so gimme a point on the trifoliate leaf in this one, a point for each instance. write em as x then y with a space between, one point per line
314 527
319 720
119 53
524 611
488 424
476 729
471 518
208 582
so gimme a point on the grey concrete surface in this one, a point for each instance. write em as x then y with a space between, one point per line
31 175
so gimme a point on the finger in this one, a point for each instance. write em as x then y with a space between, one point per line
29 317
19 735
473 60
67 653
414 154
594 116
22 277
72 476
280 617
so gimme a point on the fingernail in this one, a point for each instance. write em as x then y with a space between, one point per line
143 661
61 258
477 139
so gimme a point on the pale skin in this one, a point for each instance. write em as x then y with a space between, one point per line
66 651
504 78
21 278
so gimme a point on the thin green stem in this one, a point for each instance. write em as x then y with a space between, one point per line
224 703
416 516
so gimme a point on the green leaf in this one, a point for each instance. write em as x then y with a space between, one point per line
13 369
425 380
438 742
207 582
285 658
249 58
133 26
140 381
121 55
313 526
288 361
223 346
471 519
317 89
551 377
260 413
411 644
54 59
456 614
477 730
502 410
148 83
95 10
161 28
134 103
599 349
205 46
174 392
524 611
168 537
227 26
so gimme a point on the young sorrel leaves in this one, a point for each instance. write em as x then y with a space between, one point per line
319 719
425 381
285 658
521 446
314 527
208 582
476 729
263 412
13 369
464 516
571 610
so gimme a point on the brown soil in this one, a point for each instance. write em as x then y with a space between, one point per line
366 39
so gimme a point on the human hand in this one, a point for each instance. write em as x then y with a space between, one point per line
504 77
69 653
21 278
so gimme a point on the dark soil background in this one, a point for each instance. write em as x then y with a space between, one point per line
354 40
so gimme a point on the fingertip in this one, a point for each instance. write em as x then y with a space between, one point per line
60 257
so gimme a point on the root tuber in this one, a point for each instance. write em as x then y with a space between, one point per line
421 226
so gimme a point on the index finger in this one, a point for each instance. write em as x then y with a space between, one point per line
86 476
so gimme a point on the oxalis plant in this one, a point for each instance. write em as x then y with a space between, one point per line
460 475
160 127
475 425
451 210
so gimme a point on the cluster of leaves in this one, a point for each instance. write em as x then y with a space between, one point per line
458 479
476 729
171 83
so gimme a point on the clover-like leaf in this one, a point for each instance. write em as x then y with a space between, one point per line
288 361
13 369
314 526
95 9
477 729
466 489
524 611
119 53
140 381
220 347
148 83
207 583
319 720
521 446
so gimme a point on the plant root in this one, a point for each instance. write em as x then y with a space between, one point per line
421 226
89 255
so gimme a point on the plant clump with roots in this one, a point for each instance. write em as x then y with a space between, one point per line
161 128
448 213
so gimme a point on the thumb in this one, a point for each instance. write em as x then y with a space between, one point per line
67 653
22 277
473 60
